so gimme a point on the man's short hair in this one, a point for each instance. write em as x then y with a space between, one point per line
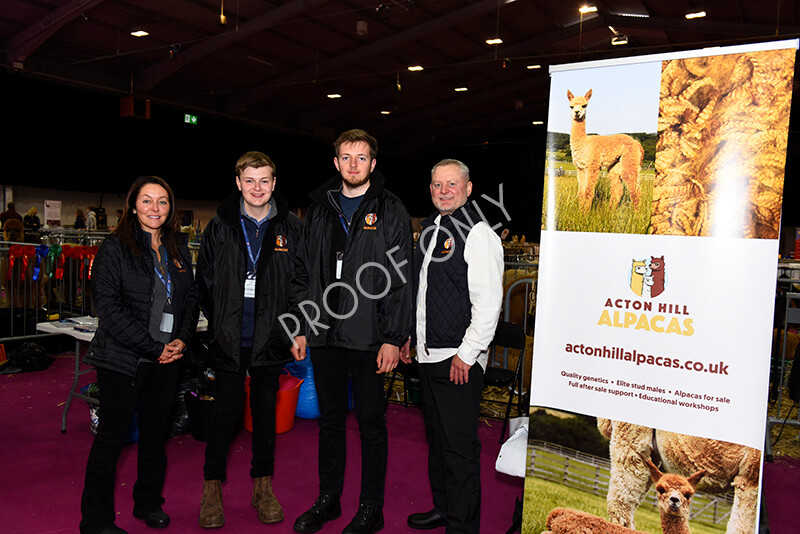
463 169
11 205
256 160
355 136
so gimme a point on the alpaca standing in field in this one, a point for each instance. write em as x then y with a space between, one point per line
619 153
674 493
727 465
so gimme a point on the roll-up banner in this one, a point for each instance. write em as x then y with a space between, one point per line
654 312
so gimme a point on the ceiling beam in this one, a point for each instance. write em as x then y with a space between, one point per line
244 100
24 43
148 78
731 29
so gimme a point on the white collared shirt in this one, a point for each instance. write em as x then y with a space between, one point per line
483 254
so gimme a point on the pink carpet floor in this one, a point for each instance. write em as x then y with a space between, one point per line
42 474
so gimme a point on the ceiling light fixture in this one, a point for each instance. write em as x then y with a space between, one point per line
537 123
696 15
222 20
139 31
397 86
415 68
460 89
531 67
494 41
386 112
583 10
334 95
618 40
383 11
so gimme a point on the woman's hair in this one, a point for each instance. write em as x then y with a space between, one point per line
31 212
126 229
79 214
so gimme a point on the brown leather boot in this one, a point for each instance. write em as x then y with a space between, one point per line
211 513
269 509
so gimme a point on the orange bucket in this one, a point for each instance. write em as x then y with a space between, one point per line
285 405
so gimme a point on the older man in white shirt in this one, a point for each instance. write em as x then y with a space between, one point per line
459 266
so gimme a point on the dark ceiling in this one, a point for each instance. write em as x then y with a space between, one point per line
274 62
262 80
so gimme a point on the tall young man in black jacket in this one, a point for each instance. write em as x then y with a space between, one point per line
351 297
243 272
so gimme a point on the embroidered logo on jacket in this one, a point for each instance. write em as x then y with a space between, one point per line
177 263
370 219
280 243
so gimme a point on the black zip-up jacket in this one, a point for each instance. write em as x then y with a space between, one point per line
221 269
122 291
380 224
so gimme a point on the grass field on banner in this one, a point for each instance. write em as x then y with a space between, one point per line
541 496
602 217
562 477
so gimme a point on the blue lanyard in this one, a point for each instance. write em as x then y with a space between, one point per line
344 224
253 259
168 280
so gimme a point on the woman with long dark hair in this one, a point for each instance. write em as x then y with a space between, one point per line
146 302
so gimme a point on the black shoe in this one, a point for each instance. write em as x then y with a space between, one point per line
154 519
326 508
427 520
113 529
368 520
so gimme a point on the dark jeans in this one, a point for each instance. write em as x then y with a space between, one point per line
332 368
228 404
454 455
151 394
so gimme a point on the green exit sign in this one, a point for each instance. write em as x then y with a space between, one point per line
190 119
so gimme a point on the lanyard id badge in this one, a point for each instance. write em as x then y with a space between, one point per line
339 262
167 318
250 285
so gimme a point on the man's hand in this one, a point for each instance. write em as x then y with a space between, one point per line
405 351
387 358
299 348
459 371
173 351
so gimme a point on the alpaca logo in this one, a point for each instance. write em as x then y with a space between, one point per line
281 243
448 243
647 277
371 219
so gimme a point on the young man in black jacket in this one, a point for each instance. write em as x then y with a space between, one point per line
352 305
243 272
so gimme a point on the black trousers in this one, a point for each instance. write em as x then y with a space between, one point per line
454 449
228 404
150 394
332 368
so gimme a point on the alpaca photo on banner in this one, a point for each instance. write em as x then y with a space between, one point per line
592 475
600 161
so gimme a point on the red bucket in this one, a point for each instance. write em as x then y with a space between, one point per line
285 406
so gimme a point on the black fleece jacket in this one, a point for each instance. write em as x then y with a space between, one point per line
221 269
379 233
